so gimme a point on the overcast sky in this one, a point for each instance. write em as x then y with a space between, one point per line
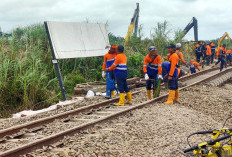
214 16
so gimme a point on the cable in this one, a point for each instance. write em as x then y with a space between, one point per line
226 121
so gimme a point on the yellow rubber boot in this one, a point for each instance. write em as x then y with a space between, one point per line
121 99
170 97
176 99
154 93
129 98
112 94
148 94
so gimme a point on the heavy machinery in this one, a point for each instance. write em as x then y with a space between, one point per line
222 38
192 23
133 24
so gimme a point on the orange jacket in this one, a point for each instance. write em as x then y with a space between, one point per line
120 62
208 51
151 68
180 55
219 49
108 60
174 61
196 64
228 51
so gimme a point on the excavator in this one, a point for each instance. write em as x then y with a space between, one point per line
192 23
133 25
222 38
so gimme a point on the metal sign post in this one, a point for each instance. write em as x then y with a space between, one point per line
56 63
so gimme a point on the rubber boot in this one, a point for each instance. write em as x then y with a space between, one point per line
121 99
154 93
112 94
129 98
148 94
170 97
176 99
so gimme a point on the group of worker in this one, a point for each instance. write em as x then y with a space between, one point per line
115 68
207 52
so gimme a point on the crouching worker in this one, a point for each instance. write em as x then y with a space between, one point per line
193 66
120 66
152 69
108 61
172 75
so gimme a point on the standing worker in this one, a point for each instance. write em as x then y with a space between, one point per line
173 75
108 61
208 54
193 66
198 51
212 45
152 68
180 54
221 56
120 66
229 56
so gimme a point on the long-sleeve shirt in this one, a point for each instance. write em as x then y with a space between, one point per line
180 55
174 61
208 51
108 60
120 63
152 66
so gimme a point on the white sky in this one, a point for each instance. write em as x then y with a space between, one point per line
214 16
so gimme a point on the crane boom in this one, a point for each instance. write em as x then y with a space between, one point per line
223 37
192 23
133 24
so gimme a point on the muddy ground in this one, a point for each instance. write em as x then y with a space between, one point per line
156 130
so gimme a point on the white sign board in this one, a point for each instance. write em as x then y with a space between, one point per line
75 40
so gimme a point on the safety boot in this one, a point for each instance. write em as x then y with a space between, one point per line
112 94
176 99
129 98
170 97
148 94
121 99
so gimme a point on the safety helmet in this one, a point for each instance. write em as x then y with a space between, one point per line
178 45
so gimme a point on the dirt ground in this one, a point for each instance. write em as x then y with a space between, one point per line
156 130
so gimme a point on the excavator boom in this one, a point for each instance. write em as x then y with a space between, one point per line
223 37
192 23
133 24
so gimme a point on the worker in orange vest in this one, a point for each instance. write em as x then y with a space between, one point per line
193 66
229 56
208 54
180 54
173 75
110 78
120 67
221 56
198 51
212 45
152 70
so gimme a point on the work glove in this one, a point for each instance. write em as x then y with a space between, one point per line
146 77
103 74
160 77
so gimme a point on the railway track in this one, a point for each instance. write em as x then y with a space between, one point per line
16 140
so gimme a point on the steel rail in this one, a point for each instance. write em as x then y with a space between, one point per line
56 137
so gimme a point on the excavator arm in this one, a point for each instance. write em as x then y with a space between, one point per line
192 23
133 24
223 37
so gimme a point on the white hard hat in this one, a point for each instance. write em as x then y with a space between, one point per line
178 45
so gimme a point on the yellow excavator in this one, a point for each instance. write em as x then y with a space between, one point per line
133 25
222 38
